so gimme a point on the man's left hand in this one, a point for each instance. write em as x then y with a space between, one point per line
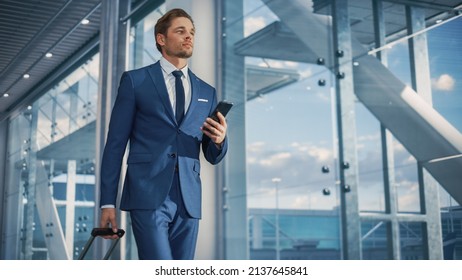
216 131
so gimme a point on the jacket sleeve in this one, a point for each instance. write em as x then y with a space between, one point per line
211 152
120 127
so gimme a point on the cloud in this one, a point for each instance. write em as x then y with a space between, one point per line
369 137
444 83
321 154
300 201
408 192
298 165
276 160
256 146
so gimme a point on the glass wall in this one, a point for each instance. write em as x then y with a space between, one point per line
50 174
337 132
290 138
142 44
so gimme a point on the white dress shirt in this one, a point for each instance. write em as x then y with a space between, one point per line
167 69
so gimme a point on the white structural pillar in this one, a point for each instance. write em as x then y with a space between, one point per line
70 205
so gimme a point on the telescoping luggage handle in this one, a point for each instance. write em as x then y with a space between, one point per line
102 232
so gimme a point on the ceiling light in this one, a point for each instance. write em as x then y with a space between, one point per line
49 54
85 21
6 94
29 107
26 76
439 21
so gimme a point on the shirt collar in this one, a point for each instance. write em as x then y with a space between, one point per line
169 68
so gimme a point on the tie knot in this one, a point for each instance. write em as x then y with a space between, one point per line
177 73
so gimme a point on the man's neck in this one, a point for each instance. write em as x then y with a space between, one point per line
179 63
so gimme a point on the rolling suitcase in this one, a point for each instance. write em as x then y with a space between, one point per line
102 232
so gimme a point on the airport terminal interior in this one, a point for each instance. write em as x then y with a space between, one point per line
345 137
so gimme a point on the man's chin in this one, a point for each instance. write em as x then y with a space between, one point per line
185 54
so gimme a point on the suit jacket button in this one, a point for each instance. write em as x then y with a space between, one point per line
173 155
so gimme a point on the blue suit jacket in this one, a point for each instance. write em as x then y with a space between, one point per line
143 115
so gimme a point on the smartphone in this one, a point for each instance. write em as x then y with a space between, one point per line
223 107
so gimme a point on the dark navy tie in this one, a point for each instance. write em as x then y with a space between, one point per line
179 110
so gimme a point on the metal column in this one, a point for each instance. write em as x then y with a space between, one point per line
71 183
421 83
13 193
113 40
390 191
29 186
3 161
232 84
345 98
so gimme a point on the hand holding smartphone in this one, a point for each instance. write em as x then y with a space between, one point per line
223 107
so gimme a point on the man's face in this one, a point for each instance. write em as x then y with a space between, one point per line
179 41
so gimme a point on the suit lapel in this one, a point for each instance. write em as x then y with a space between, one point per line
194 92
161 89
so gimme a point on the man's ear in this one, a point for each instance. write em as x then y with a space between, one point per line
160 39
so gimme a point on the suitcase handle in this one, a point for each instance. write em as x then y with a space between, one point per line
102 232
107 231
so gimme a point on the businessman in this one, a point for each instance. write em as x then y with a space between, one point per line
162 112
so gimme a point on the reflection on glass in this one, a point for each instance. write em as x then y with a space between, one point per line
451 223
445 68
370 159
374 237
142 49
292 201
51 155
69 105
412 242
407 184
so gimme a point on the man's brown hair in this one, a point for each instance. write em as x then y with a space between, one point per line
164 23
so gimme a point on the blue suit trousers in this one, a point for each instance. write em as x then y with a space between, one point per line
168 232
